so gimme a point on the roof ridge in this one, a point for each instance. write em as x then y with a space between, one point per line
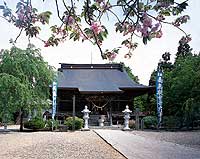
92 66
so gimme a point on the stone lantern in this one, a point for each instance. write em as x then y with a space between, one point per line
86 117
126 112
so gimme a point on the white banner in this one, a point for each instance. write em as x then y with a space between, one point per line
54 95
159 94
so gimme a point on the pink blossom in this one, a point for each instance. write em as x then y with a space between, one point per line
181 20
128 45
138 28
163 4
96 27
98 1
160 17
128 55
69 20
46 44
112 56
20 16
155 28
106 6
185 18
83 36
185 39
147 22
144 31
130 28
159 34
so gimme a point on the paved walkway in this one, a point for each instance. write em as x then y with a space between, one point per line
138 147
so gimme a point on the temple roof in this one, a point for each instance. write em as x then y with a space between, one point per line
97 78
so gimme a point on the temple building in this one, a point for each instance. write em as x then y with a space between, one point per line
105 88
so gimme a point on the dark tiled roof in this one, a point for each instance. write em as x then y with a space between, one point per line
96 78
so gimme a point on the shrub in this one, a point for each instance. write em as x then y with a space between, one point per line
35 123
52 122
132 124
150 122
78 123
171 122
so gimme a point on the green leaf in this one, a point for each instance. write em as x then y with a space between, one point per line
141 5
145 40
71 35
165 12
125 42
100 37
76 37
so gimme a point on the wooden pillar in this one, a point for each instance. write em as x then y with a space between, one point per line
111 114
74 100
118 104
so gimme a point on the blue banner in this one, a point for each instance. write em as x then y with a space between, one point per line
159 94
54 95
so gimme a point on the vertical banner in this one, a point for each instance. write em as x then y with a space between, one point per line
159 94
54 95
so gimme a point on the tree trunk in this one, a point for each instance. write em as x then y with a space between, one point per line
21 119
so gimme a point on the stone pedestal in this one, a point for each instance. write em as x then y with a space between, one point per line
5 126
101 120
86 117
126 112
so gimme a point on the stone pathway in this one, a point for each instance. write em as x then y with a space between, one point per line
54 145
137 147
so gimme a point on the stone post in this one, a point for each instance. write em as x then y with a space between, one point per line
137 120
142 124
86 117
126 112
29 115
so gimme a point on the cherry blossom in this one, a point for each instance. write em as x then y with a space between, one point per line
96 27
69 20
85 22
159 34
185 40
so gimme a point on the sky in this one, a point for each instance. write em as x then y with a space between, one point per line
144 60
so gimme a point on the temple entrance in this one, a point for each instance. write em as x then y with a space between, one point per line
100 110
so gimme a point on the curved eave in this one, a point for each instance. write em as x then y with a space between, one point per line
138 88
137 91
102 92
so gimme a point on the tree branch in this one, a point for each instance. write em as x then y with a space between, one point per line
95 37
58 12
168 23
131 9
18 35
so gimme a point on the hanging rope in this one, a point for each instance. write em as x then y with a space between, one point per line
100 99
99 107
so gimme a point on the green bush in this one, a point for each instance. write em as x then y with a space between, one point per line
51 122
78 123
150 122
171 122
132 124
35 123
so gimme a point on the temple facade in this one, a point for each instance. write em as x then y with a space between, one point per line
105 88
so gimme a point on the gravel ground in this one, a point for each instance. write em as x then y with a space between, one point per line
54 145
77 145
187 138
